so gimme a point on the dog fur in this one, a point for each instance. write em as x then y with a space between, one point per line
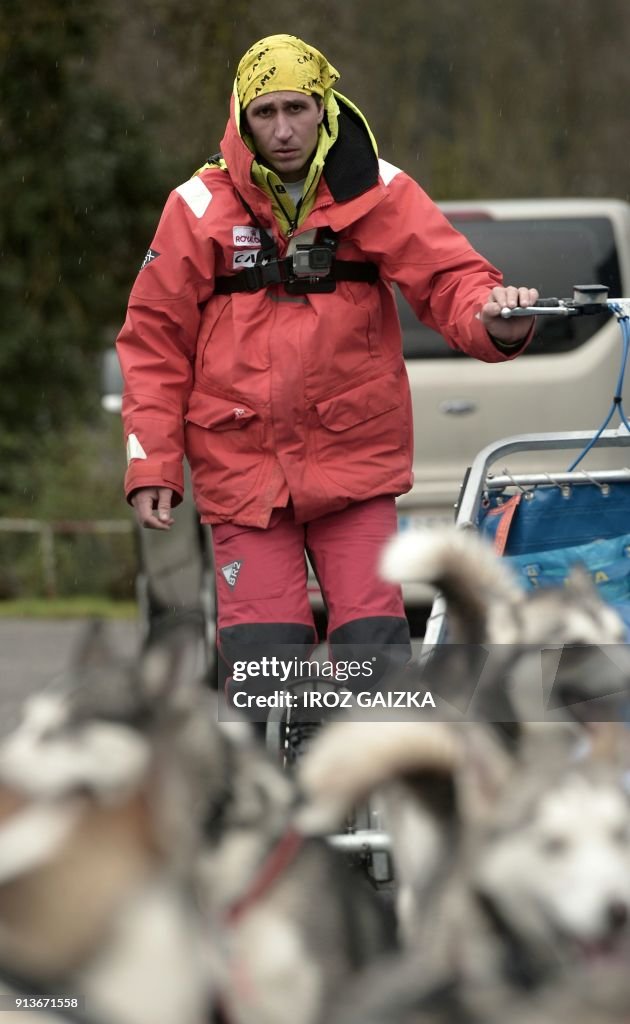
138 838
550 654
512 870
485 601
512 859
98 833
290 945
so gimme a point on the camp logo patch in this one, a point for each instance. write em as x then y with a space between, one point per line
245 258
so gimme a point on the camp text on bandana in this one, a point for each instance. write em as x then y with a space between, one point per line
283 63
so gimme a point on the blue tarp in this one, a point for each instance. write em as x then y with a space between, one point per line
554 529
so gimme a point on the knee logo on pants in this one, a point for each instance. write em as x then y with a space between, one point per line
231 572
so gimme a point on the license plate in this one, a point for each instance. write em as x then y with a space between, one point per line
418 521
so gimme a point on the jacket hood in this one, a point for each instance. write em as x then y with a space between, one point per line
346 158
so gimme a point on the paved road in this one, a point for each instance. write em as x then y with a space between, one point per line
35 651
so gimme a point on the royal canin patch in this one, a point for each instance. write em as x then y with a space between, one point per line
246 237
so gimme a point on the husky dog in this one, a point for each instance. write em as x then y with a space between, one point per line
512 859
99 827
553 653
511 868
149 862
488 604
389 995
295 921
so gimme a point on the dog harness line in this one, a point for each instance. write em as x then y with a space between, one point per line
280 857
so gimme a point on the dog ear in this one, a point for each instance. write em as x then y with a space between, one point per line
579 584
172 668
608 743
592 682
487 769
100 681
93 650
545 744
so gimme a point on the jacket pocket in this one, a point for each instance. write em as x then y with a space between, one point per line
224 446
359 404
216 413
362 437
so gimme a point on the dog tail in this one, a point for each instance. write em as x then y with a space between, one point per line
463 567
348 761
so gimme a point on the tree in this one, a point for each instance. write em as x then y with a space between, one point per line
80 189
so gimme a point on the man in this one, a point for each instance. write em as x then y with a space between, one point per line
262 340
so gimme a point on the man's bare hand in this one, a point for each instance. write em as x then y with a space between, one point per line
512 330
152 506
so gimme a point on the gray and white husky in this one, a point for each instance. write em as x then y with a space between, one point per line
487 602
512 860
512 868
554 653
100 784
149 862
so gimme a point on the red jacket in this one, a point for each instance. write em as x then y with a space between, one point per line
271 395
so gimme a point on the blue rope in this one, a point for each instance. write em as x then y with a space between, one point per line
617 403
624 323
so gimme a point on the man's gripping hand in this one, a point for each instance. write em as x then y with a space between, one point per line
152 506
508 332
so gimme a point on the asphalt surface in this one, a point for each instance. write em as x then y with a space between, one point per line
34 652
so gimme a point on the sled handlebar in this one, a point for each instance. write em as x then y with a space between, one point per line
588 299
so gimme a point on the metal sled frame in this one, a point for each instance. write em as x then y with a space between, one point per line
363 838
480 480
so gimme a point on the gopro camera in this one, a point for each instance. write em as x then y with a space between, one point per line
312 261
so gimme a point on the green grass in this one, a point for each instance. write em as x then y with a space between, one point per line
68 608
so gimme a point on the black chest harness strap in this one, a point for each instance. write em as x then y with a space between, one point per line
277 271
311 268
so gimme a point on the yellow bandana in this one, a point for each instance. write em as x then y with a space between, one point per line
283 64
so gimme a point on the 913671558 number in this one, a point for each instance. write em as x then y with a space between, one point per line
39 1002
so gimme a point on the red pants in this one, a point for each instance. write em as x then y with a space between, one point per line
262 583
